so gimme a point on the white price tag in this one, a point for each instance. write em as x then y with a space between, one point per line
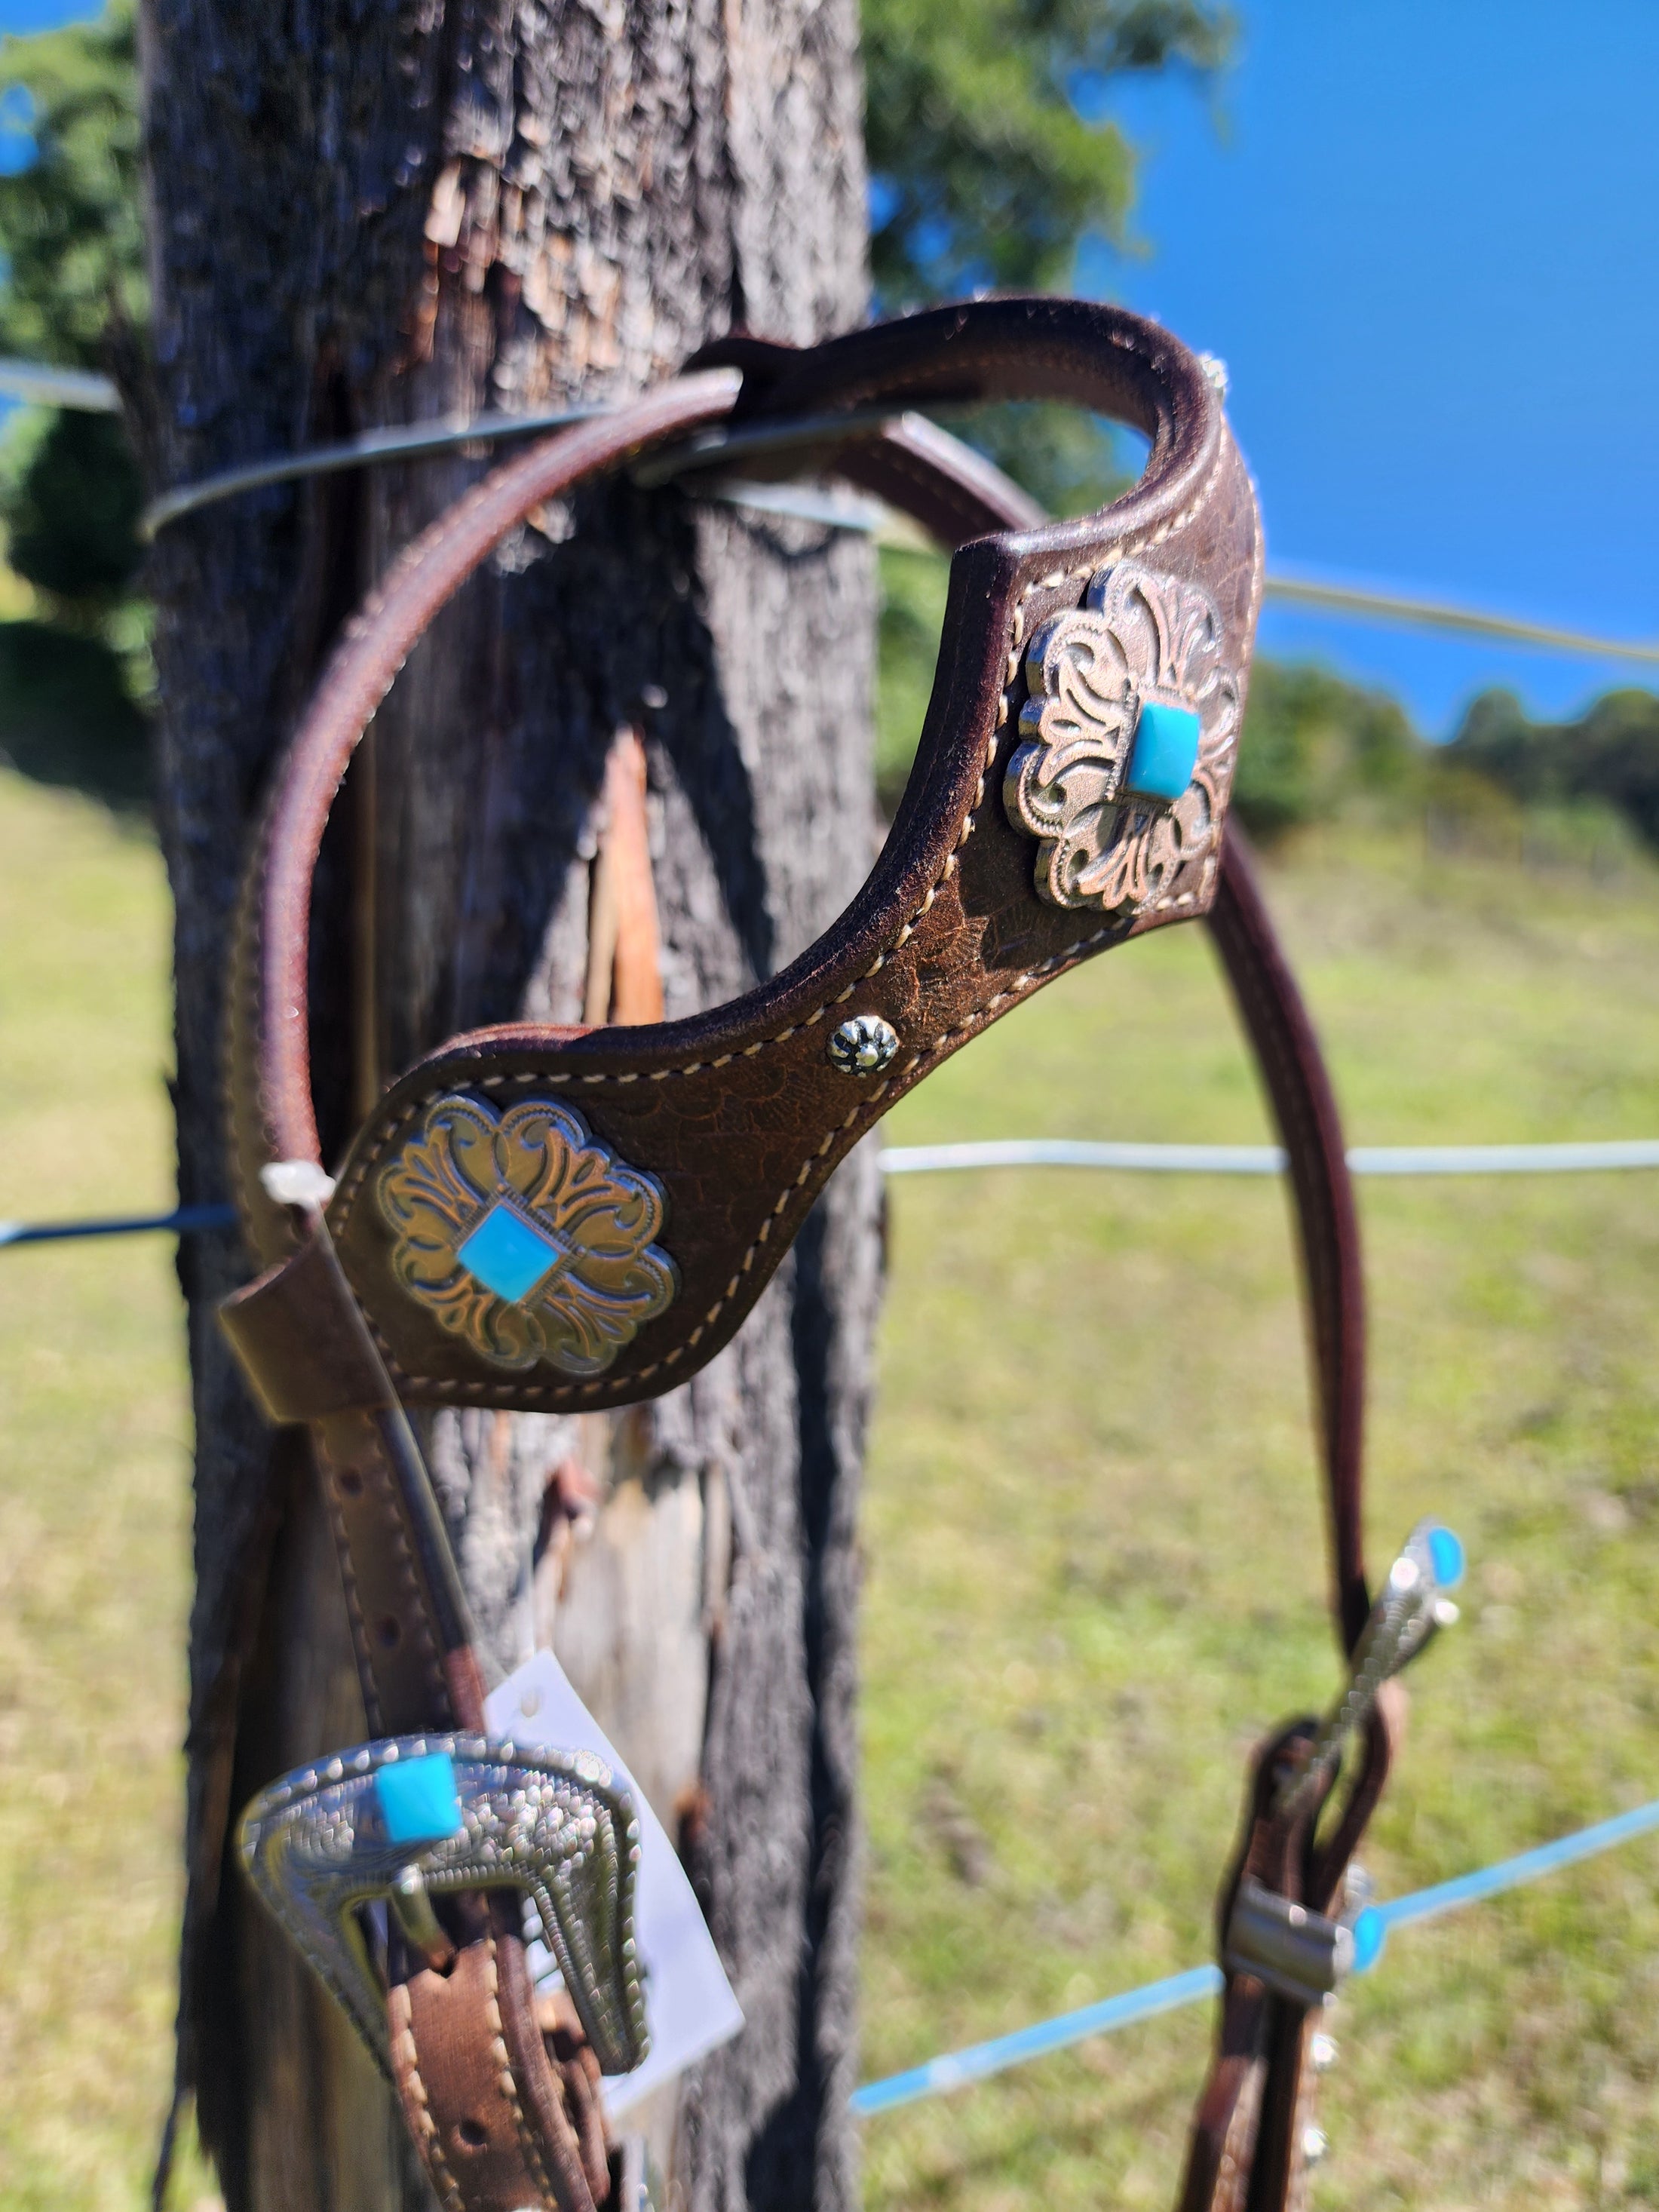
689 2004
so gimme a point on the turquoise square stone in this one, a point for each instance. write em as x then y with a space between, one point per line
508 1254
1165 750
418 1799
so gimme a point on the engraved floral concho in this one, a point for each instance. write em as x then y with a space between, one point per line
524 1233
1140 660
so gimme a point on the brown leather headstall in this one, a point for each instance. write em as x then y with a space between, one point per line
560 1219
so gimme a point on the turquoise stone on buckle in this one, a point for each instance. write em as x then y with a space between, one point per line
509 1254
418 1799
1165 750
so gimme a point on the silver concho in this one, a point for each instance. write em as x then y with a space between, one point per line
523 1234
552 1825
1140 638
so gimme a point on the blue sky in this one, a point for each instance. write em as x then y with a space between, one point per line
1422 237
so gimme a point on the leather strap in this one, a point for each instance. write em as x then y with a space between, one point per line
731 1122
498 2127
1250 2130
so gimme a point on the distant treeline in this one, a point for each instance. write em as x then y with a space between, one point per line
1314 746
1610 754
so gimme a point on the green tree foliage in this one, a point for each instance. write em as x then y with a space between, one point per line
67 714
1313 745
989 160
1609 756
70 224
69 491
71 518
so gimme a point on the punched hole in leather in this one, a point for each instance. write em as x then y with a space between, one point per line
548 1220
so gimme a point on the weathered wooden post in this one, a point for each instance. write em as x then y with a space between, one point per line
369 214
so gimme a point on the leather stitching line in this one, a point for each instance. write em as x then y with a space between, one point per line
427 2136
383 1473
506 2082
353 1601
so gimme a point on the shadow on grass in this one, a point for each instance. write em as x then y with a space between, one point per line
67 719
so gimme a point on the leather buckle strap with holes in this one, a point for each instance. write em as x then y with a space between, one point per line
562 1219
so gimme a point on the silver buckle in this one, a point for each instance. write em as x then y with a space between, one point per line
394 1825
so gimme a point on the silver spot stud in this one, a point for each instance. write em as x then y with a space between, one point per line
1321 2051
1315 2144
863 1045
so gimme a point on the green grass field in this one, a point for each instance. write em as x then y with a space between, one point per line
95 1514
1094 1570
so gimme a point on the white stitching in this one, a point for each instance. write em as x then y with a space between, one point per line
507 2082
427 2136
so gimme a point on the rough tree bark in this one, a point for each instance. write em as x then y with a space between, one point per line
364 212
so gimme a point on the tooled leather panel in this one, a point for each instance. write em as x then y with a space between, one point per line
740 1116
1107 358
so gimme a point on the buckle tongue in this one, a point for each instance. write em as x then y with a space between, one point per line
411 1818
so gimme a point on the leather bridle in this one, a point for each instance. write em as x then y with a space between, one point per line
558 1218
